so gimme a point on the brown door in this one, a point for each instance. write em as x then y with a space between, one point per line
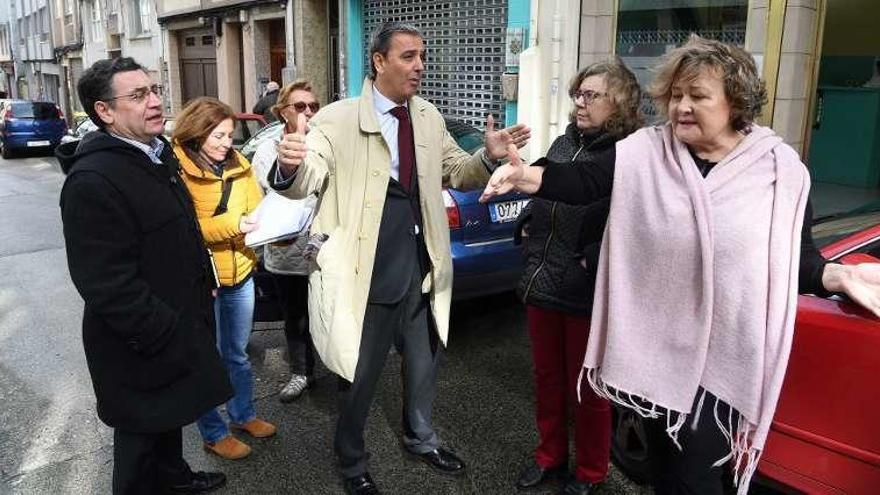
277 52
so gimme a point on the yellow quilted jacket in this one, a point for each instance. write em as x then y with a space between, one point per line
234 260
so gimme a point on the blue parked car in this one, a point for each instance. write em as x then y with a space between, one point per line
29 125
484 257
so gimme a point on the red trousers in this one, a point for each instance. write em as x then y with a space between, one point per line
559 342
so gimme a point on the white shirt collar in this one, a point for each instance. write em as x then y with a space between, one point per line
381 103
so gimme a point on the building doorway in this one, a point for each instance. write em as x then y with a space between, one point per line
842 137
198 64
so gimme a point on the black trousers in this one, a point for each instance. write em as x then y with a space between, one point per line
405 325
689 471
147 463
294 293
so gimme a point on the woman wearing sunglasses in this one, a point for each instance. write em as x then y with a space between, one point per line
285 259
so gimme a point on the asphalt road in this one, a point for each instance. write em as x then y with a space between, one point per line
52 442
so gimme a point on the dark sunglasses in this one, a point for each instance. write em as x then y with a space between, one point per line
301 107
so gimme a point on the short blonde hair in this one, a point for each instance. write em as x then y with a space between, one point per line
281 102
743 86
623 92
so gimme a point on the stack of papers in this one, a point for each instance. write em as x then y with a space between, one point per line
280 218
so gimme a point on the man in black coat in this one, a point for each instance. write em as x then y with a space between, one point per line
267 101
137 258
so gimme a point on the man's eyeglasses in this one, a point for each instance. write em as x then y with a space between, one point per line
139 95
588 96
301 107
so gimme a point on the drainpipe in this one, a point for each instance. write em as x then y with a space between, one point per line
341 44
288 73
556 44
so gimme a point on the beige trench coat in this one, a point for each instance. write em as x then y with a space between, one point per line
348 165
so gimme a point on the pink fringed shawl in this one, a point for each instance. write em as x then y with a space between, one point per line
697 284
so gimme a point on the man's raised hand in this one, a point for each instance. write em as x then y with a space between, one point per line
497 141
292 147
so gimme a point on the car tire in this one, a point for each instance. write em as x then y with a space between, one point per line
629 446
6 153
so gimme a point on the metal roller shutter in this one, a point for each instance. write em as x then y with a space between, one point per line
465 49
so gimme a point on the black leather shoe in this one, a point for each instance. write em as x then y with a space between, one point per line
200 482
441 460
361 485
575 487
534 475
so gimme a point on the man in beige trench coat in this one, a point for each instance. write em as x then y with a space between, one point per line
384 275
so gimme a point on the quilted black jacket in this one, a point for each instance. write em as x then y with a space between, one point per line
558 236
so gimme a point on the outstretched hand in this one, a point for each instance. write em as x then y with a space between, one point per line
505 177
861 283
497 141
292 147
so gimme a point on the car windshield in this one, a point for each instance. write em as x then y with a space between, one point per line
36 110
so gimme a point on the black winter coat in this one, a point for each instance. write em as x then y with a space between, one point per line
561 235
137 258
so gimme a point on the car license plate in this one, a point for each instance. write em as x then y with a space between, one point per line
38 143
506 211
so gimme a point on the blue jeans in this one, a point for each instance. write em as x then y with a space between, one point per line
234 312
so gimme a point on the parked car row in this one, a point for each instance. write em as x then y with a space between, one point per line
30 125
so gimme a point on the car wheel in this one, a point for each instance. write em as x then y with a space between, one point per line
7 153
629 445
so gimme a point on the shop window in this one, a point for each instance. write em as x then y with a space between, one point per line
648 29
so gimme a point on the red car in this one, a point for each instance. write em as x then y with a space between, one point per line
825 437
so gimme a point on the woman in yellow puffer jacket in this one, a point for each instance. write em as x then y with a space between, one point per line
224 192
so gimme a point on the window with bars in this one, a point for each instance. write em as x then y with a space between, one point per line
141 12
97 22
45 28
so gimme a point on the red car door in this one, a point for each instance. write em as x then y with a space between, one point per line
825 437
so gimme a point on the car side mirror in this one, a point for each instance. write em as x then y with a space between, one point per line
858 259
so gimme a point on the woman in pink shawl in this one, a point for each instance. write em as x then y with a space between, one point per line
707 245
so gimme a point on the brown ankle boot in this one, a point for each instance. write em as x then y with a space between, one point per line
256 428
229 448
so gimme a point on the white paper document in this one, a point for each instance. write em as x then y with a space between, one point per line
280 218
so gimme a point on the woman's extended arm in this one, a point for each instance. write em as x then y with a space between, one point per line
861 282
580 183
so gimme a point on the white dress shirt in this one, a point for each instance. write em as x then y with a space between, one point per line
388 126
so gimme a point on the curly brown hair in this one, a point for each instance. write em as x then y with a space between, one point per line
195 122
743 86
623 92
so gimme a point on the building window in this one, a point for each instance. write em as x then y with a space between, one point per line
22 26
140 16
646 30
44 24
97 22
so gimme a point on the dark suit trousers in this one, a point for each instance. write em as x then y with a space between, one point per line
404 324
147 463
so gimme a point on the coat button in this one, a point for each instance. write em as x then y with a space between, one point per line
368 205
375 172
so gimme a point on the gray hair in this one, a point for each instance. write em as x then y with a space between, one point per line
380 41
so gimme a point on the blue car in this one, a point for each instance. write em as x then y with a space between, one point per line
29 125
485 259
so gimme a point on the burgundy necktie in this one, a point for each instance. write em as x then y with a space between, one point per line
406 153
